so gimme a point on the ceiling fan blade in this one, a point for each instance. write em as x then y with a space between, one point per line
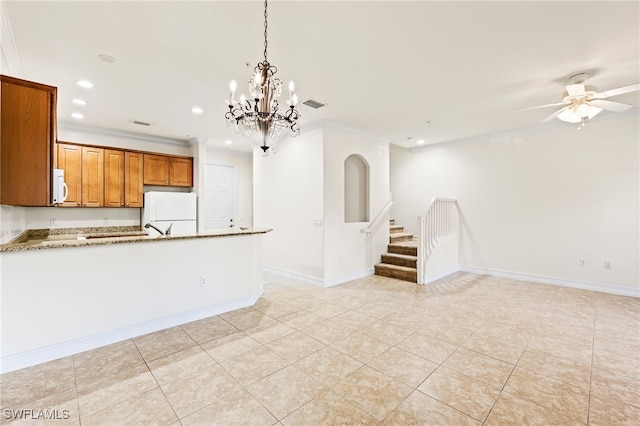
610 106
540 106
616 92
552 116
575 89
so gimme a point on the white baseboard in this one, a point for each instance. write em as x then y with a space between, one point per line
293 275
349 277
543 279
434 277
317 281
49 353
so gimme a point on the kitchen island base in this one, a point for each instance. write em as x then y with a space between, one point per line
58 302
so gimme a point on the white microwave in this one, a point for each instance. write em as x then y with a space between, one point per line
60 189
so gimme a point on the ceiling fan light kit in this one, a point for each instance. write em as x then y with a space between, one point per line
581 102
261 119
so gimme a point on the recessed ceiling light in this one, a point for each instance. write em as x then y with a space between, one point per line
77 115
106 58
420 142
228 142
84 83
79 101
196 110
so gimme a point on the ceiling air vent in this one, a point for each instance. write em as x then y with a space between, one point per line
141 123
313 103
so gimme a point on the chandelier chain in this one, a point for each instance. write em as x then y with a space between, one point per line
265 30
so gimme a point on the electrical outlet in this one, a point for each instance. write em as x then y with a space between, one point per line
203 282
583 261
607 264
52 222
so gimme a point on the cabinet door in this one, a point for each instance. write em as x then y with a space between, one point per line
133 196
70 160
27 127
156 169
181 172
92 177
114 178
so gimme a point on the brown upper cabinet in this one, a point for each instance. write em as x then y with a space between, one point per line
83 173
27 135
133 179
167 170
92 177
122 179
114 179
70 160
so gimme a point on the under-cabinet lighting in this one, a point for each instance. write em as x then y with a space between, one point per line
420 142
77 115
79 101
228 142
196 110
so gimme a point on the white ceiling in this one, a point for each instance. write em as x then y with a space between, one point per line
438 71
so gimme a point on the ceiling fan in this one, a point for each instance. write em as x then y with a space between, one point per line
581 102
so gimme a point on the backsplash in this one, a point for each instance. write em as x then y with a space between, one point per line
60 217
15 220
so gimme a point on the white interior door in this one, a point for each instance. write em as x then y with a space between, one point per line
220 196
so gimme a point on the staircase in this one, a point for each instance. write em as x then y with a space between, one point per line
401 260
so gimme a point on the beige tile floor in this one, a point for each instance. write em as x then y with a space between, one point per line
468 349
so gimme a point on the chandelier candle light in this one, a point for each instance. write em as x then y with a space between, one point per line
261 119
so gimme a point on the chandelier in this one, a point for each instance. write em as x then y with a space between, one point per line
260 118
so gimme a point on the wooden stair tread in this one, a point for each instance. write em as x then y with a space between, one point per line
402 256
401 234
397 267
410 243
400 259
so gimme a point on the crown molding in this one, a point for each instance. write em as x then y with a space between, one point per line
323 124
9 50
122 133
533 129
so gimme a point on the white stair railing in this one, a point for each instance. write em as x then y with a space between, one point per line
441 220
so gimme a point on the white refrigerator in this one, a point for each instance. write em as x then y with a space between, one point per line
165 209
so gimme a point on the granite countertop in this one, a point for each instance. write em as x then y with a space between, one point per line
39 239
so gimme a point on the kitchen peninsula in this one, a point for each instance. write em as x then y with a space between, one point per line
70 292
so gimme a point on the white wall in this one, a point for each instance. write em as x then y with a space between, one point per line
347 251
243 162
532 204
299 192
287 196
